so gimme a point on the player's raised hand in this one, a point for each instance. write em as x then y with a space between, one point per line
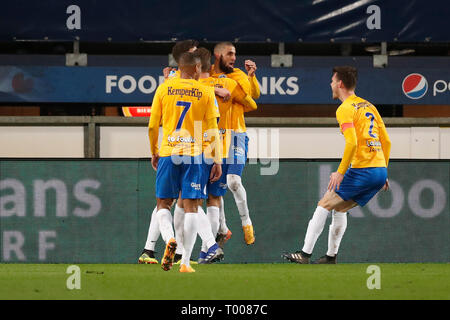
216 172
166 71
223 93
155 160
335 181
250 66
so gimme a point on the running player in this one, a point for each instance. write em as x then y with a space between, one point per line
367 149
182 105
225 57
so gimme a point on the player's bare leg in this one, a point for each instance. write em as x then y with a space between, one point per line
332 201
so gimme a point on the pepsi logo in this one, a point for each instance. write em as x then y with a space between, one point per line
414 86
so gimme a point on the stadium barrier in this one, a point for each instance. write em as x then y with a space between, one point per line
98 211
123 137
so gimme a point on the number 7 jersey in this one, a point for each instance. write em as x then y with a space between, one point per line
370 131
183 106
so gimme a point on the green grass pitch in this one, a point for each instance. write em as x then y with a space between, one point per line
283 281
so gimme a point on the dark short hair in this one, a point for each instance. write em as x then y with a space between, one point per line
205 58
347 74
221 45
182 46
188 59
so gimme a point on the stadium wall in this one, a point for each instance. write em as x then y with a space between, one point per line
265 142
98 211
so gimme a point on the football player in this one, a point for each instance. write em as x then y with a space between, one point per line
362 171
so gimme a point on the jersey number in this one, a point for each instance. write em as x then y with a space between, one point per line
186 105
372 117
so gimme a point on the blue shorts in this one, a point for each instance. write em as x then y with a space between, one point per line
179 174
219 187
361 184
237 155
